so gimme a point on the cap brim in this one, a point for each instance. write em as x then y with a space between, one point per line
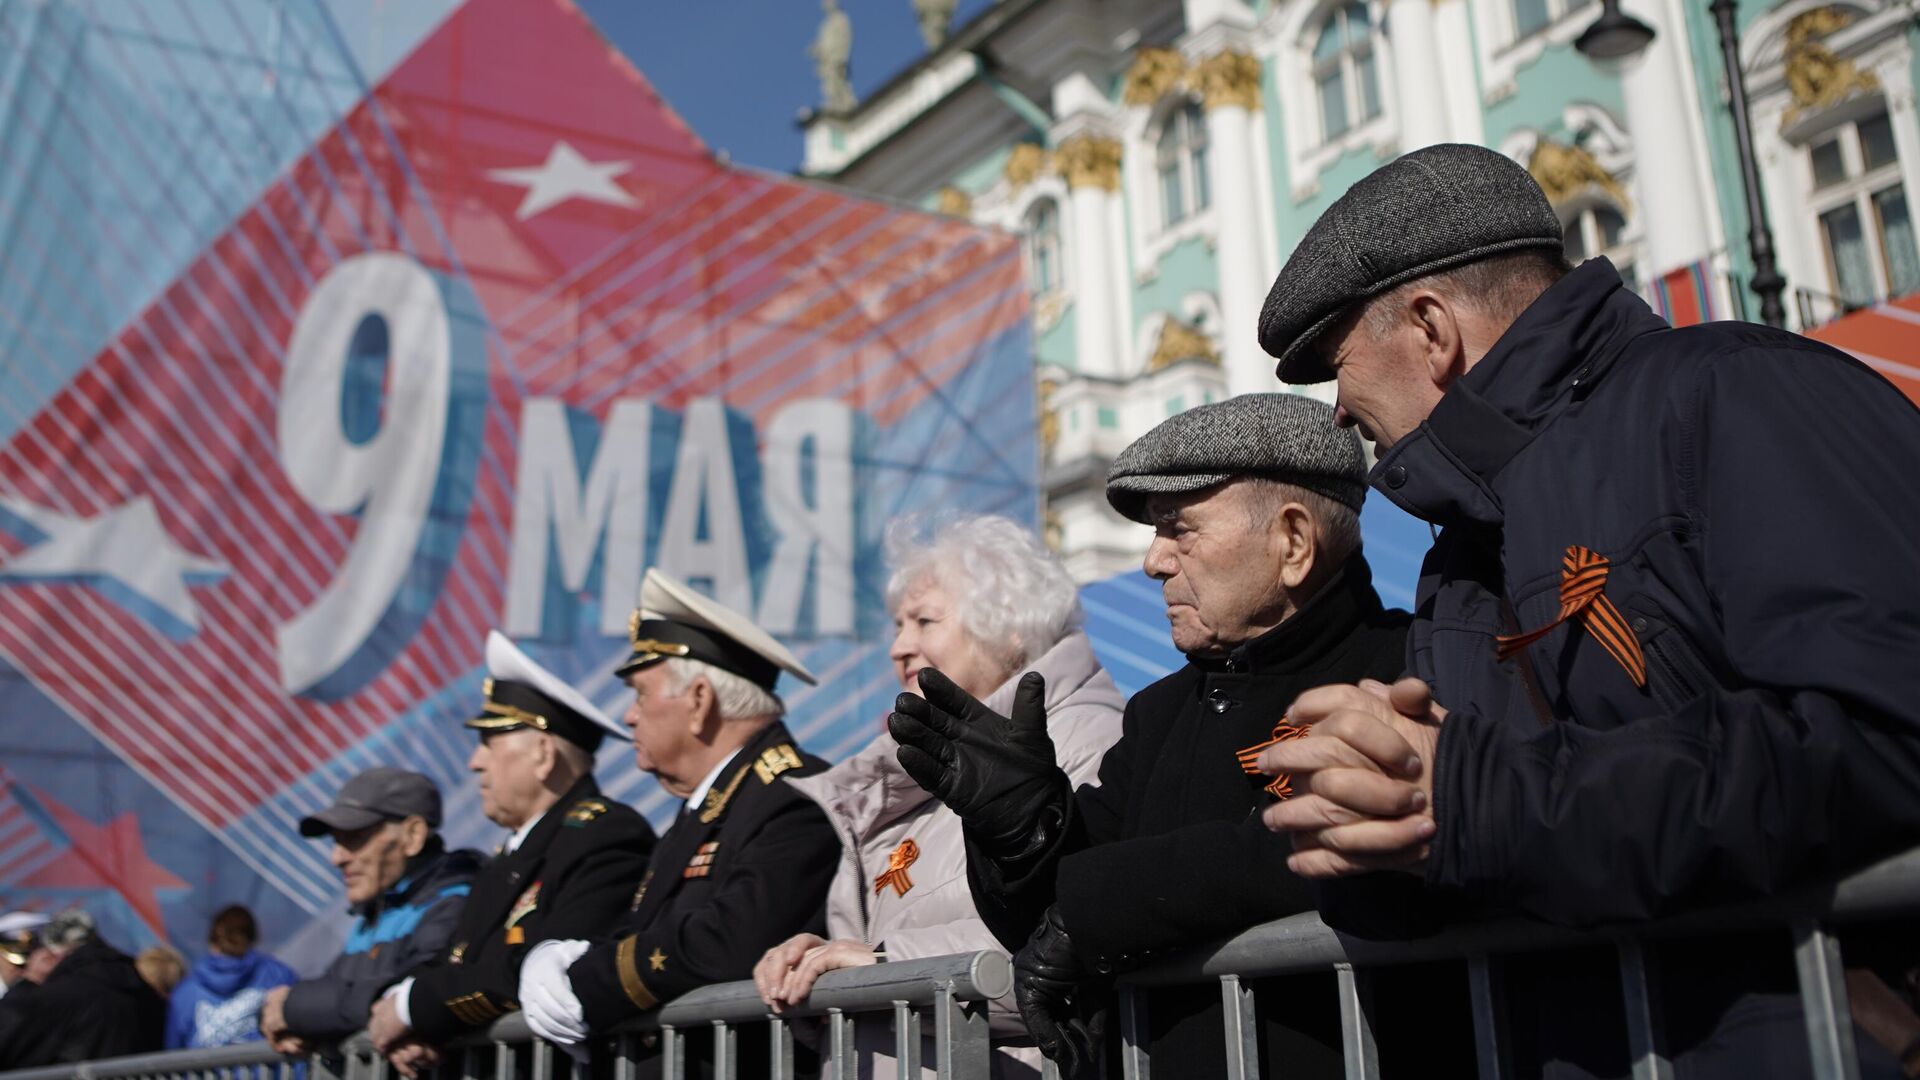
339 819
1129 494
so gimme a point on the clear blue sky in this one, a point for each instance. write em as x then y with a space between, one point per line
738 70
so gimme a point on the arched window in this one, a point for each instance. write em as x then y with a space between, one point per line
1346 73
1596 229
1043 247
1180 161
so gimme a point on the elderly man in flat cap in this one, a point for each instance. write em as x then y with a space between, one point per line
567 869
748 861
1254 503
1665 645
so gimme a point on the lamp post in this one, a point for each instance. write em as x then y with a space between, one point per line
1615 35
1767 282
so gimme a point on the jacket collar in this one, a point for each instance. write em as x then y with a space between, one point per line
1554 353
1305 640
418 871
870 790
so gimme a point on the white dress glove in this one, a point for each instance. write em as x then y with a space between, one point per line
547 999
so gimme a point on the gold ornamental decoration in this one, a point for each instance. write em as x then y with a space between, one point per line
1228 78
953 202
1818 77
1049 416
1154 73
1024 164
1563 171
1179 341
1089 161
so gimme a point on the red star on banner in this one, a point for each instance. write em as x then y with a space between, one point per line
110 857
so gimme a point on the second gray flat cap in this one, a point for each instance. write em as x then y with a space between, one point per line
1282 437
1431 210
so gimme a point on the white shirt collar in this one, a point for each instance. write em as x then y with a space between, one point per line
520 834
700 793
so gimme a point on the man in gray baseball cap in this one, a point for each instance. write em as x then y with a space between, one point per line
404 889
1665 641
379 794
1254 503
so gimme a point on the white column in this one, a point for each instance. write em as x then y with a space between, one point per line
1670 193
1091 164
1243 282
1419 93
1454 38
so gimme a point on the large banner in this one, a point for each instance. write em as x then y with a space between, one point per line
315 367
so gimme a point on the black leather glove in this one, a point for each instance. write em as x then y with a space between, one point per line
996 772
1061 1001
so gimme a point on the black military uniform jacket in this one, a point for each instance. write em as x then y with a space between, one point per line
570 878
745 871
1169 849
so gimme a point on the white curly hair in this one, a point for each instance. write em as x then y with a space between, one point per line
1010 593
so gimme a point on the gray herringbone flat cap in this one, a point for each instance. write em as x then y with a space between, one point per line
1436 208
1281 436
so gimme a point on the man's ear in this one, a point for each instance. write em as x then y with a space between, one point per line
546 755
413 835
1293 527
1442 342
703 710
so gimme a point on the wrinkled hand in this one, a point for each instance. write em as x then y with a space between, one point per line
997 773
1050 986
411 1058
291 1045
1363 777
547 1000
770 974
384 1026
273 1015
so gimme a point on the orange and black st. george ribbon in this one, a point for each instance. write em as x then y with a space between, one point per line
1583 583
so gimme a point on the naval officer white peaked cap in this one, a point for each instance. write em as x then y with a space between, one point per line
676 620
521 693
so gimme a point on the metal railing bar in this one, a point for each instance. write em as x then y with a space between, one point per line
780 1050
503 1062
726 1051
1357 1044
1242 1028
839 1046
542 1060
673 1053
943 1034
906 1040
1486 991
1823 1002
1640 993
624 1065
1302 943
1135 1058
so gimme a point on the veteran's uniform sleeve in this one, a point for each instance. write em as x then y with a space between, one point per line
767 877
582 886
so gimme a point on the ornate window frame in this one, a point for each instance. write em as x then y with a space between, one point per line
1152 236
1286 41
1503 52
1875 45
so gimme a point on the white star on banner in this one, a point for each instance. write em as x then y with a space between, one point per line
124 552
566 175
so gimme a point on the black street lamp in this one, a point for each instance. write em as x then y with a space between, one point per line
1615 35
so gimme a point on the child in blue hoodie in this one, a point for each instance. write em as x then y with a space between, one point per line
218 1003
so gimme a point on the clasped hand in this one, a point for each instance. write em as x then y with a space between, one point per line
1363 778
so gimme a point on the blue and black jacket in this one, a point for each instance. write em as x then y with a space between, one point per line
391 934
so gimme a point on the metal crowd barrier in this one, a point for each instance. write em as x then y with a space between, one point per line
952 991
1303 944
943 996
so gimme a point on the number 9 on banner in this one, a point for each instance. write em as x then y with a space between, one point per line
375 320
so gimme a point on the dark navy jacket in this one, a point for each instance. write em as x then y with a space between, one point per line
406 926
1755 494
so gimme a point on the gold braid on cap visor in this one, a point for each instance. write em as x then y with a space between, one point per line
509 715
647 650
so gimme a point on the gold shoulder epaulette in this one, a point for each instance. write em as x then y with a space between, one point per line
776 760
584 811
